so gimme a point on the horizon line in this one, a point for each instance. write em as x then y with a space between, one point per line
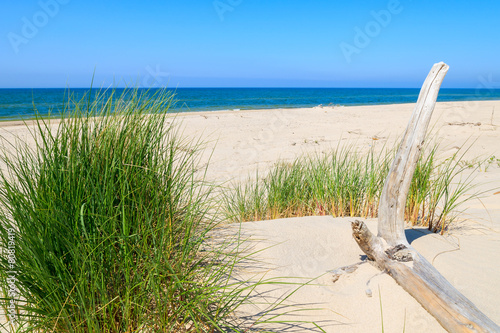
125 87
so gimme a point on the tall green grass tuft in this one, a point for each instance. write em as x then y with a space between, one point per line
109 216
348 183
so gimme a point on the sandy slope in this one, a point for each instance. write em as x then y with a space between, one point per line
310 247
244 141
314 246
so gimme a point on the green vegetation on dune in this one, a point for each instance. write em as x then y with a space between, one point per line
349 183
109 218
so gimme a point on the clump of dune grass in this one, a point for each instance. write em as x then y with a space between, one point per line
347 183
110 211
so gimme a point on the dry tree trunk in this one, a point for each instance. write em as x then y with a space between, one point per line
390 249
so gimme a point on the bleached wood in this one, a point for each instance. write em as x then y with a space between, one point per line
393 199
390 249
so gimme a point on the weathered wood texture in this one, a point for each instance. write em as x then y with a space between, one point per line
390 249
392 202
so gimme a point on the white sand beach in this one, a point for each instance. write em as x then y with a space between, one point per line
310 247
242 142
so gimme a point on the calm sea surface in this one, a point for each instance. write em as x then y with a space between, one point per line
21 103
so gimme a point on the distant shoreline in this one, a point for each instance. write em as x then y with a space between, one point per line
17 104
173 112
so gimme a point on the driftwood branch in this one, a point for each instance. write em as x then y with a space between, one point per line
390 249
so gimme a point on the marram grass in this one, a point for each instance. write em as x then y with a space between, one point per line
110 214
347 183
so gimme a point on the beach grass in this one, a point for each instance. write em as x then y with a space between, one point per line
348 183
109 218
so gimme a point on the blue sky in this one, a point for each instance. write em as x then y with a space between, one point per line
247 43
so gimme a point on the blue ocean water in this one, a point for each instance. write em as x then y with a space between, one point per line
21 103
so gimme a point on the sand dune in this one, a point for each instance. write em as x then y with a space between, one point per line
311 247
244 141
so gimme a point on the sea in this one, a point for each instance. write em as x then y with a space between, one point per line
18 104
